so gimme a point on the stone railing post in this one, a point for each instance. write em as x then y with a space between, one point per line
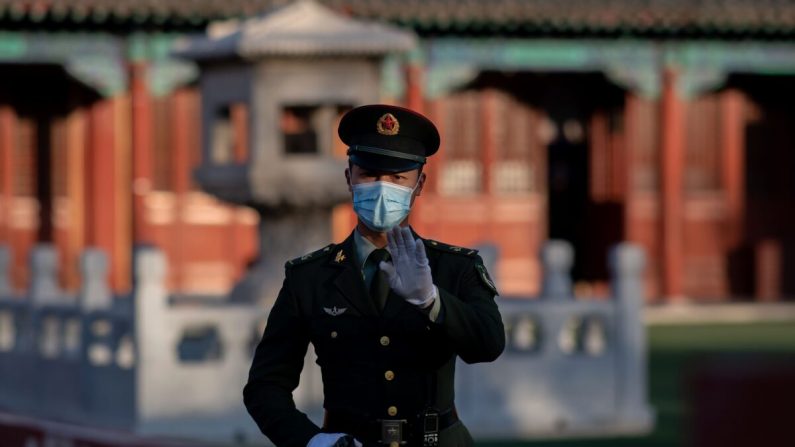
557 259
150 270
94 291
44 270
627 263
154 352
5 271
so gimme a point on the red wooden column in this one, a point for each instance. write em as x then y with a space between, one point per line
75 148
124 225
414 95
239 116
7 147
239 113
733 175
100 174
415 101
142 142
435 167
180 174
671 188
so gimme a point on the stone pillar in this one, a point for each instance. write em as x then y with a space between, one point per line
672 188
94 291
626 263
44 275
5 271
283 236
151 302
557 259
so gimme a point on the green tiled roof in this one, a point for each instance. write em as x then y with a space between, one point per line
556 17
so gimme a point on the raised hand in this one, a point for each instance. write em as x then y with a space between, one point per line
409 273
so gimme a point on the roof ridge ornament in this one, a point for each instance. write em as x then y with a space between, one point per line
302 28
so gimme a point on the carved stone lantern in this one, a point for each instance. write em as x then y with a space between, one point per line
273 88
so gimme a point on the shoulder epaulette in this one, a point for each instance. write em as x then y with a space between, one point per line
450 248
309 256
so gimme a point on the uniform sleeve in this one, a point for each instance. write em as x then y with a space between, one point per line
275 373
470 319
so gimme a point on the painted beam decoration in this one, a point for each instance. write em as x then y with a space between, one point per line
99 60
631 63
96 60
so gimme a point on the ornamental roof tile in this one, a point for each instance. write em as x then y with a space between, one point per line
767 17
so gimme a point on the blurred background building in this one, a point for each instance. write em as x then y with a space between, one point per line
665 123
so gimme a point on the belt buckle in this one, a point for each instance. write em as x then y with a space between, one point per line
392 431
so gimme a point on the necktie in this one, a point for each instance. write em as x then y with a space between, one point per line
379 284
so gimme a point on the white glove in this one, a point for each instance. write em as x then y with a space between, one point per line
328 440
409 273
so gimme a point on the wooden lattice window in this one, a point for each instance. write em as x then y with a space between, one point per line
702 144
461 173
519 159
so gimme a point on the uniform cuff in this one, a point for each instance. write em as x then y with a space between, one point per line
433 309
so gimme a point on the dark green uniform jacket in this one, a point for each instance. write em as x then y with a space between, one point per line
324 301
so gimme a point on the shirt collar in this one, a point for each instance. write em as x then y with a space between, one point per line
363 247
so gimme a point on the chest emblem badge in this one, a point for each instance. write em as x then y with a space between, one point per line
335 311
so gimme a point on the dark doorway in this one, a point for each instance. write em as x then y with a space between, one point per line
39 94
768 251
576 213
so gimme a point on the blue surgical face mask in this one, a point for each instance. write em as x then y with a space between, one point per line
382 205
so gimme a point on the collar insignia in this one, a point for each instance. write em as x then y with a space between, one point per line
387 125
334 311
340 257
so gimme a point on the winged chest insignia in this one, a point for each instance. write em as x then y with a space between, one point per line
334 311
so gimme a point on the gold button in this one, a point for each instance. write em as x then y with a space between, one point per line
333 334
394 444
389 375
392 411
384 341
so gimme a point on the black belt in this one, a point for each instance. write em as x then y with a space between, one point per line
383 431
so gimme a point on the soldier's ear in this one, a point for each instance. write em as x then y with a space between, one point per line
420 184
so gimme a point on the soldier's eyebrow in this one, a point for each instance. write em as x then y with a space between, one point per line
373 172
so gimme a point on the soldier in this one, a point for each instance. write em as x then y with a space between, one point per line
388 312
